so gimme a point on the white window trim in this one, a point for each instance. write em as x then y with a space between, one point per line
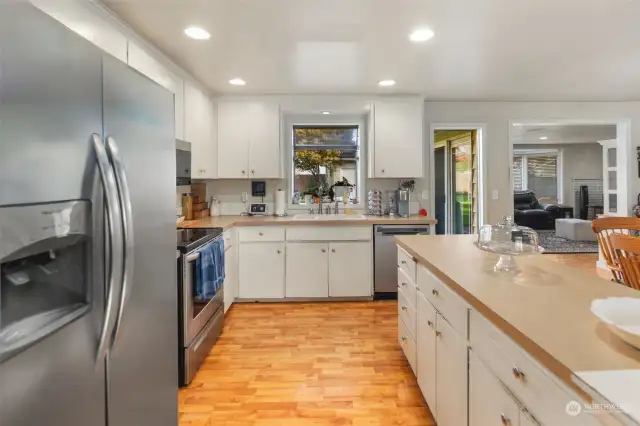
525 153
313 120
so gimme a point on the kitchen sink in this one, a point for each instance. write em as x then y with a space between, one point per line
341 216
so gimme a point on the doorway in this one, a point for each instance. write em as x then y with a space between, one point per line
456 190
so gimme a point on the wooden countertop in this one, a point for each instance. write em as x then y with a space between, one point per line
227 222
545 308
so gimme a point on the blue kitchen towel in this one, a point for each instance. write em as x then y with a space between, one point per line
219 259
206 273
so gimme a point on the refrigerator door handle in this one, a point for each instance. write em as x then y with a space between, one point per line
114 229
127 228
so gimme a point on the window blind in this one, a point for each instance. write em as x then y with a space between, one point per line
517 173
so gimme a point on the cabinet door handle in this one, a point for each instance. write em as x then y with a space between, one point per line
382 170
323 250
260 233
430 323
404 262
438 333
253 171
404 308
404 338
434 292
517 373
279 251
333 250
243 172
505 420
404 284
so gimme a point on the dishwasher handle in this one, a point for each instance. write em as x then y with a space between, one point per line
395 230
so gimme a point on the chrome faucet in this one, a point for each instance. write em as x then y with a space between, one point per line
319 200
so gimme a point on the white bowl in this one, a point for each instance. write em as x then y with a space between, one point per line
621 315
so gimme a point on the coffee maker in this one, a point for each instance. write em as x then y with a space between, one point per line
403 202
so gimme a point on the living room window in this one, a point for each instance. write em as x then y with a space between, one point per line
325 162
539 171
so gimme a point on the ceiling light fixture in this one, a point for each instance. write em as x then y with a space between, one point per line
197 33
544 138
421 35
386 83
237 82
325 113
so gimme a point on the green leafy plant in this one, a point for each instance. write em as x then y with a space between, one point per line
311 160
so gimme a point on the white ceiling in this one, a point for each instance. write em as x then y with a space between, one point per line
482 50
531 134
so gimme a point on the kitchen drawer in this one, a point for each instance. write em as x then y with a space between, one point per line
229 238
407 263
538 389
407 287
446 301
407 313
407 343
260 234
329 233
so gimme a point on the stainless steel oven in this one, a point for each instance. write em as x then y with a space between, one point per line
201 320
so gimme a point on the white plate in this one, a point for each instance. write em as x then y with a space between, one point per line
621 315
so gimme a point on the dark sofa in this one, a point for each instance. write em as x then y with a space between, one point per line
529 212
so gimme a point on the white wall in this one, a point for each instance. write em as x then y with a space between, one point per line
497 115
579 161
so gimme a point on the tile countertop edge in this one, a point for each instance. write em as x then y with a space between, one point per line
564 373
228 222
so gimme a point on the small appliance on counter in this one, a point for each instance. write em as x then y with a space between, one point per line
200 320
374 203
404 203
258 209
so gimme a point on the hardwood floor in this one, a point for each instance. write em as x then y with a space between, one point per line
306 364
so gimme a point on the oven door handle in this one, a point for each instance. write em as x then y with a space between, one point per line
114 228
127 231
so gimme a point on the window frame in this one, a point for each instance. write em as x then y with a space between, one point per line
525 154
358 121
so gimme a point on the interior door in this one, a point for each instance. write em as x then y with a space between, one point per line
51 222
143 364
440 172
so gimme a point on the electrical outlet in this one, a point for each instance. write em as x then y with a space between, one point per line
494 194
425 194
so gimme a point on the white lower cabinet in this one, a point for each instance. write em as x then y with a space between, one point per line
426 351
451 374
350 269
489 401
307 270
262 270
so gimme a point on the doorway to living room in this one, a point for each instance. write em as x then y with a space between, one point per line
456 179
564 175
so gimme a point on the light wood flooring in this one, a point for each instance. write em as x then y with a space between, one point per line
306 364
313 364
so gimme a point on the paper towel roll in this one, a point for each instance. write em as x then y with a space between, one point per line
280 203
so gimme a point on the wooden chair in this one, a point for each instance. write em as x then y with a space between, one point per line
627 250
606 227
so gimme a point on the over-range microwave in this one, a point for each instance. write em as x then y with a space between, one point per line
183 163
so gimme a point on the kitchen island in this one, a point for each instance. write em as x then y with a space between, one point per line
544 311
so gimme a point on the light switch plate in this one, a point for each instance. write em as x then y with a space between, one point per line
425 194
494 194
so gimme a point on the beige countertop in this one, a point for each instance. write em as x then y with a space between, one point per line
545 308
227 222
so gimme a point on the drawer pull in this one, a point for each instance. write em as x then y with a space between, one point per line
404 338
404 284
517 373
438 333
505 420
434 292
404 262
430 323
323 250
260 233
404 308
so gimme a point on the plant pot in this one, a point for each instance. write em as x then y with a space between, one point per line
308 199
339 191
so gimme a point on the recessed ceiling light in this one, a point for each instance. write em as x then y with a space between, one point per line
237 82
420 35
544 138
386 83
197 33
325 113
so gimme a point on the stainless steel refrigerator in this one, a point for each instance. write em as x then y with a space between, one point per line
88 297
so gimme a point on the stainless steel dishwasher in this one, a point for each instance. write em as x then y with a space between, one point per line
386 257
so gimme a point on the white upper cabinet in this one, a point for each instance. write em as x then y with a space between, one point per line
397 148
249 140
233 140
198 130
81 18
141 61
